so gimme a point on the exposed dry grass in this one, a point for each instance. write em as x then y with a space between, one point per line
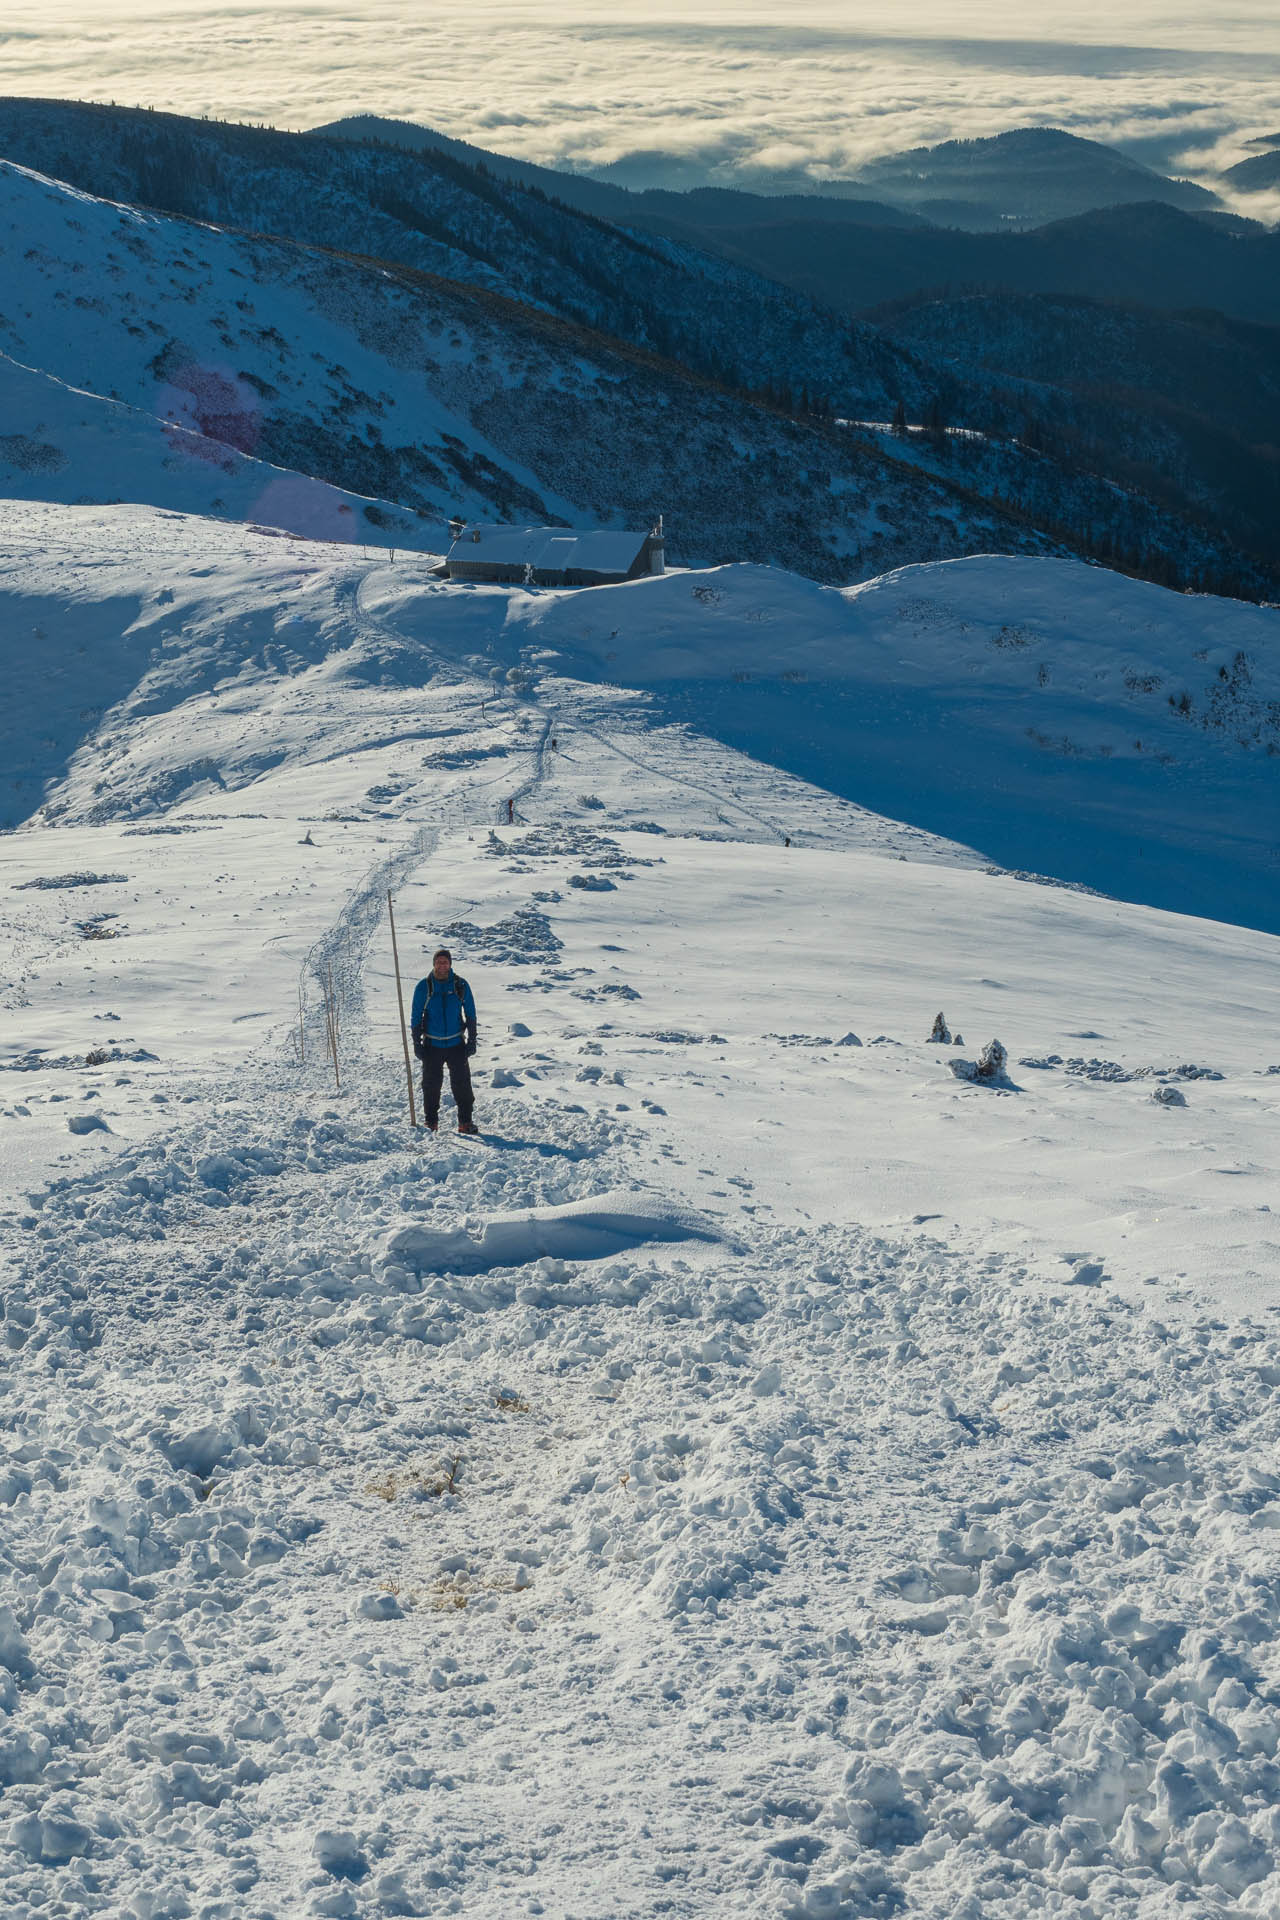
453 1592
418 1483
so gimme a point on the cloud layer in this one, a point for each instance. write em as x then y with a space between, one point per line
730 94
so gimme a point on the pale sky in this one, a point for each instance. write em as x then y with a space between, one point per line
725 84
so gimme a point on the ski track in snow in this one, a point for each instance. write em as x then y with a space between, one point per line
538 1524
691 786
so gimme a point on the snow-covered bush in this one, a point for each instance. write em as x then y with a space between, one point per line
990 1069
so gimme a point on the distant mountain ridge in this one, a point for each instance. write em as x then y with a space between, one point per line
1258 174
1145 255
657 207
1091 221
1026 177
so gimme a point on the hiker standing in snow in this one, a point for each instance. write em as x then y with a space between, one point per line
444 1035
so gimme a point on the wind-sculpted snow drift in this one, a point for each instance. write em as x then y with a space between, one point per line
608 1224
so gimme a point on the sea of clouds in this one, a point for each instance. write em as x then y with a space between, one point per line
673 95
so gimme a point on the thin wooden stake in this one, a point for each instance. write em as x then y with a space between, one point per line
328 1013
302 1029
331 1021
404 1031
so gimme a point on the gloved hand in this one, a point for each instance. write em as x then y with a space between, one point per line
418 1047
471 1046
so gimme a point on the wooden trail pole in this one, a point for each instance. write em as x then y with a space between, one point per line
331 1021
404 1031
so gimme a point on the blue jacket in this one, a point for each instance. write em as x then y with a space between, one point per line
441 1009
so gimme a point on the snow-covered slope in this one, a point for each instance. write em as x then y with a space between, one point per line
1062 719
769 1473
166 319
61 443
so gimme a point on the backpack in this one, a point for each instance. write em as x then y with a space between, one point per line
458 985
420 1031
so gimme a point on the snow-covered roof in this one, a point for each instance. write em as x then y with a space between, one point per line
548 548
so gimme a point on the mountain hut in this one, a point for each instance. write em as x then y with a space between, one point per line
554 556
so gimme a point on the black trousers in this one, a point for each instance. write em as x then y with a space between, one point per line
434 1062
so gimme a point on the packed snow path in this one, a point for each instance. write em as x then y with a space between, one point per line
798 1570
764 1474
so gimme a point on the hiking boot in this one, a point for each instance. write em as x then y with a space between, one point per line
432 1126
466 1126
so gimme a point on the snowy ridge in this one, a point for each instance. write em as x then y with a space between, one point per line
265 348
1060 717
762 1473
1089 466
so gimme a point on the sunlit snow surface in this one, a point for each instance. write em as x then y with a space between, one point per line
765 1474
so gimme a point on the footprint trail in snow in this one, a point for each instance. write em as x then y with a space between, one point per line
763 1475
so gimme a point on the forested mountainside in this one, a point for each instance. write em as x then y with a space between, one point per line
1147 255
1260 173
431 211
774 480
1100 228
442 397
1184 406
